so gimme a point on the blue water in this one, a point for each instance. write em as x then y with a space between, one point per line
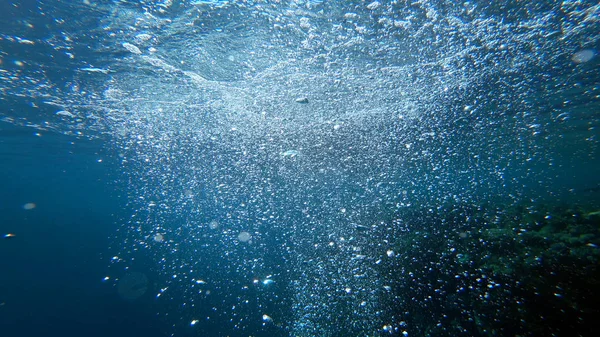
299 168
52 270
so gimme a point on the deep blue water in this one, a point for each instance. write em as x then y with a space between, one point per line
52 271
299 168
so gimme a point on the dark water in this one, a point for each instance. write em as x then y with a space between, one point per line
52 270
299 168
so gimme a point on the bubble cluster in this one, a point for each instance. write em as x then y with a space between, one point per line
289 164
371 110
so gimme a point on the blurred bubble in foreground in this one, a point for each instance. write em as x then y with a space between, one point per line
244 236
132 286
28 206
214 224
583 56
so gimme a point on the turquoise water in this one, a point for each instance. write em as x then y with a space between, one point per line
299 168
